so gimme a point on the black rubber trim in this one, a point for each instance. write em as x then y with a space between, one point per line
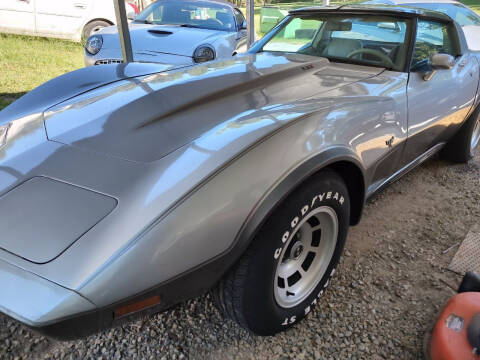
202 278
389 11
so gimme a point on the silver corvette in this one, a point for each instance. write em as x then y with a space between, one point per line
128 188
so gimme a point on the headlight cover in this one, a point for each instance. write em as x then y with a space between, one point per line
203 53
3 134
94 44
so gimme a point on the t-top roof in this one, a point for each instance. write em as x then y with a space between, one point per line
367 9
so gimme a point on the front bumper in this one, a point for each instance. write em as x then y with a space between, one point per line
112 56
65 315
35 301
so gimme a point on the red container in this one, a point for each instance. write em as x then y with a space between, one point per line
449 337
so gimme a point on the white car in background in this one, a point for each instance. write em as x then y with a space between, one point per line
463 15
175 32
65 19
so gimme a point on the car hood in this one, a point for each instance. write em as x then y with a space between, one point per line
142 119
168 39
75 83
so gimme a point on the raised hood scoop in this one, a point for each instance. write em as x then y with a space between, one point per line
144 119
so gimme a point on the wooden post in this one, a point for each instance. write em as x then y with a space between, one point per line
123 31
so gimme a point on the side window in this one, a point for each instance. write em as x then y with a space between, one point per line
238 17
296 36
432 38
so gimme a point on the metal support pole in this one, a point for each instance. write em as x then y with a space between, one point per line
123 31
250 22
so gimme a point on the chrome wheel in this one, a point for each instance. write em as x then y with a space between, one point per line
475 134
305 257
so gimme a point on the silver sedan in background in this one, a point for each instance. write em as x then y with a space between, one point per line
175 32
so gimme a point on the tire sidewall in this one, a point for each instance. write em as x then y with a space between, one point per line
474 119
264 316
90 26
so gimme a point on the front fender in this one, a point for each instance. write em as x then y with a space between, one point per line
204 234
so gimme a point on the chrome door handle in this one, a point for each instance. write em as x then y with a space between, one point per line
80 5
25 1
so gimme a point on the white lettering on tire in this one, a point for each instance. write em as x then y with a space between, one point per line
304 211
290 320
294 222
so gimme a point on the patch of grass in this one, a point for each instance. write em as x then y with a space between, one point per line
473 4
27 62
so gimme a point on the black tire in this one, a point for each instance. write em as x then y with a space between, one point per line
459 149
246 294
93 25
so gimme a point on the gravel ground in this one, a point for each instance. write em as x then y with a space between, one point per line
390 285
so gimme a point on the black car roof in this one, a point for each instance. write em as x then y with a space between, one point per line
218 2
380 9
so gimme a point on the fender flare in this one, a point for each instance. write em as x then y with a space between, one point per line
290 182
205 276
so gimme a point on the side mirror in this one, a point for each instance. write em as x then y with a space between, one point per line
439 62
243 26
442 61
131 15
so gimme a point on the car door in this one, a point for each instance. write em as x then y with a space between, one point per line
17 16
437 105
241 36
61 18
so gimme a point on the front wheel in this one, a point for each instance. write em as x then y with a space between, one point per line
289 264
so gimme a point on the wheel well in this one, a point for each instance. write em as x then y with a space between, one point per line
88 23
99 19
355 182
93 20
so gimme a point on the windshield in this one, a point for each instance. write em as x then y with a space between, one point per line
198 14
461 14
367 40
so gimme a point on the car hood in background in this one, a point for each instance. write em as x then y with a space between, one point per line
144 119
170 39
